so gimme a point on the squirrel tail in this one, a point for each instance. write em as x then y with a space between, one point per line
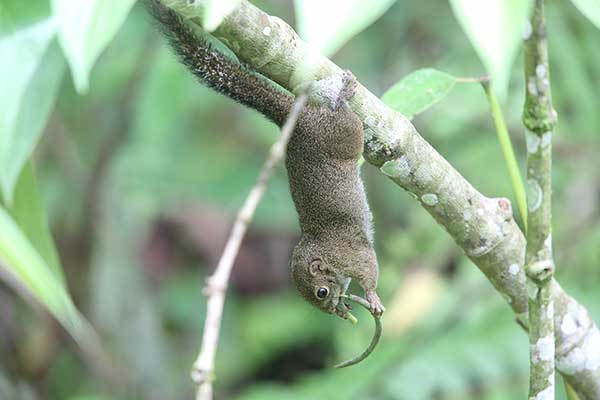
218 71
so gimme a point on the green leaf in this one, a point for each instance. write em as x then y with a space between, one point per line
418 91
589 8
216 11
29 258
327 25
85 29
15 14
34 66
29 213
29 271
495 29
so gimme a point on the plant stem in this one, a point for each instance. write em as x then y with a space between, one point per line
571 395
507 151
539 119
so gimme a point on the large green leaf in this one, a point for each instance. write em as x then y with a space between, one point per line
28 212
418 91
31 67
589 8
495 28
15 14
327 25
85 29
30 272
30 260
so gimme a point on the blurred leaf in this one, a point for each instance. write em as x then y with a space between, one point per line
85 29
412 301
29 271
267 323
589 8
327 25
123 305
471 351
216 11
418 91
14 14
34 67
29 213
495 29
573 73
15 389
182 303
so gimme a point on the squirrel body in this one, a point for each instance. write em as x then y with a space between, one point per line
336 223
322 156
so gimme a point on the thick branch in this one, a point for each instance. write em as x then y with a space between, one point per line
483 227
539 119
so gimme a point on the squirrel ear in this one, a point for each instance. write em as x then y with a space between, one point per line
315 266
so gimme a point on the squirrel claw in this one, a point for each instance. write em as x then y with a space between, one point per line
343 311
375 305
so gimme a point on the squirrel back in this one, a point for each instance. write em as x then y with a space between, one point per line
321 160
218 71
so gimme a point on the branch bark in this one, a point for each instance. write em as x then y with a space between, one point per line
203 369
483 227
539 119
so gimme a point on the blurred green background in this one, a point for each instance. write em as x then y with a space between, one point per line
143 175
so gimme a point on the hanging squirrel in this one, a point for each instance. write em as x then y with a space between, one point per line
322 163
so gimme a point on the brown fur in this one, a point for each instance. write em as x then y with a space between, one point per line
321 161
218 71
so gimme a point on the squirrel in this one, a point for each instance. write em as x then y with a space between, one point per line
336 223
322 156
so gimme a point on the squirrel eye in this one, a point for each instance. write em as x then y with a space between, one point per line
322 292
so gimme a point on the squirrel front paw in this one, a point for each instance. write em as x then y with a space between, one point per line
375 304
343 309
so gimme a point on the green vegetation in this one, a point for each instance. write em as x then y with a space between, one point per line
120 176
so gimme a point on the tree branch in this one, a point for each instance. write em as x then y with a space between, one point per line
483 227
203 369
539 119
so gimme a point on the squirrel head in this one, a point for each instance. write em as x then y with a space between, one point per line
319 271
319 283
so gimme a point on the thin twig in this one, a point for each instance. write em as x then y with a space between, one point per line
203 369
539 119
